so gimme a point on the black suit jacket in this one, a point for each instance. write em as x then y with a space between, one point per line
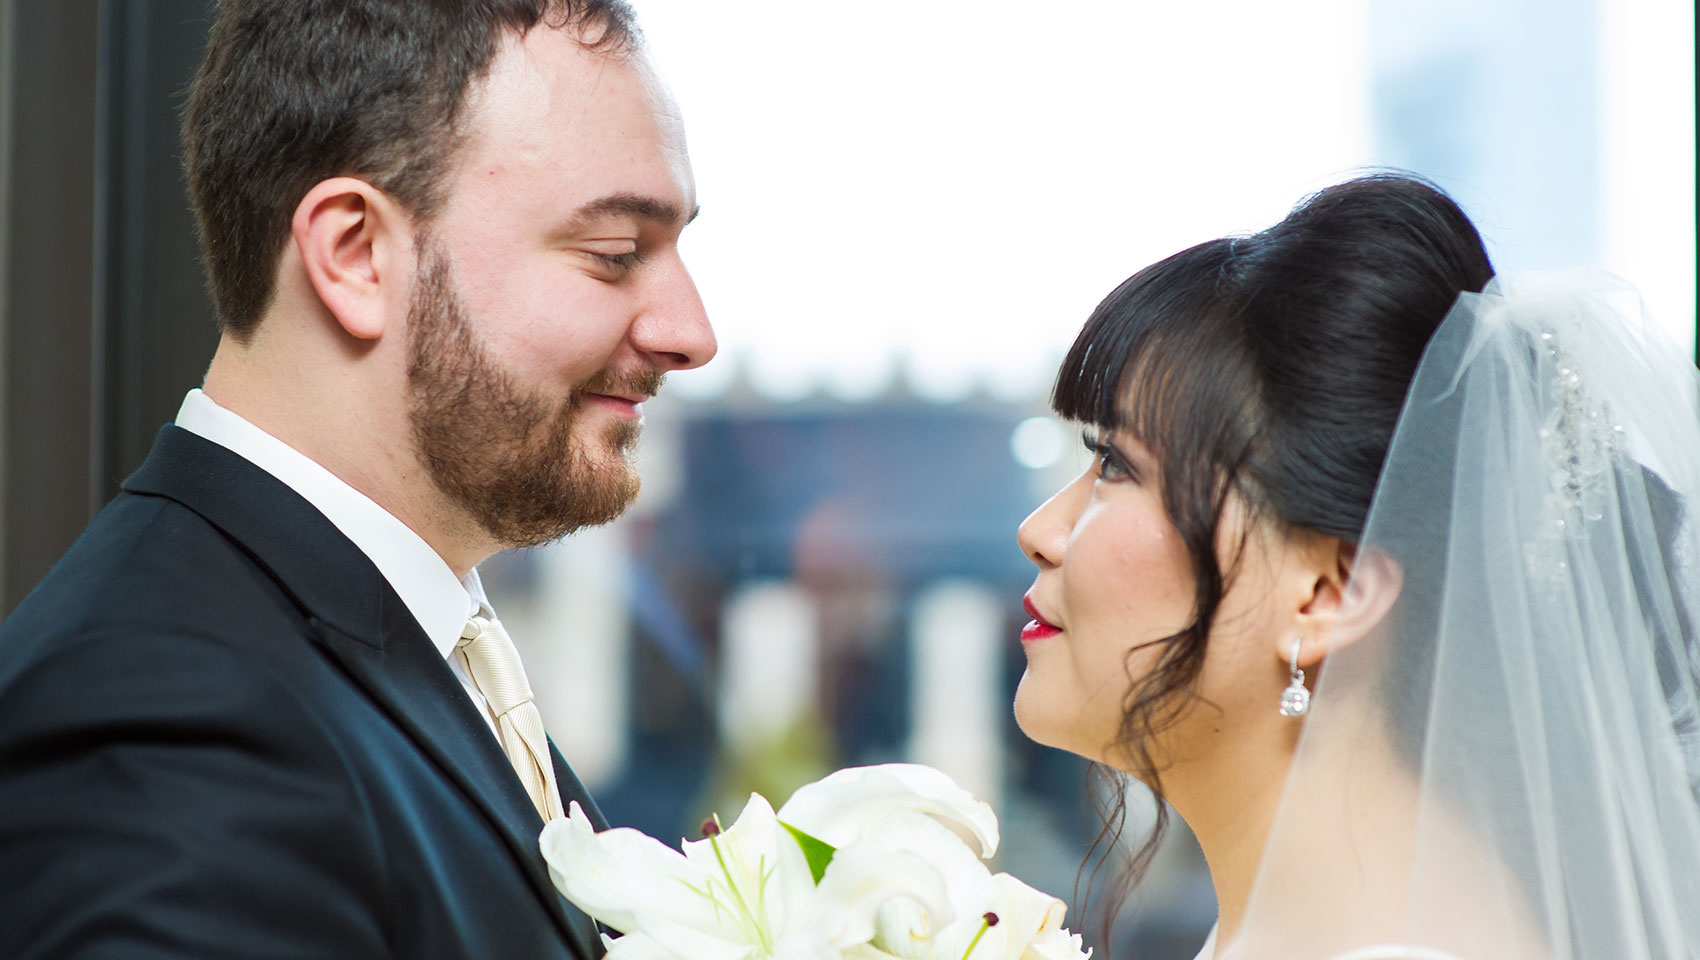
223 735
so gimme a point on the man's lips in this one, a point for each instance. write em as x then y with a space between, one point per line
630 403
1038 628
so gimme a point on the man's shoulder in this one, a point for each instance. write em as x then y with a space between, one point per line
147 566
156 614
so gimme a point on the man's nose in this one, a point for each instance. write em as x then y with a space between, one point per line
673 328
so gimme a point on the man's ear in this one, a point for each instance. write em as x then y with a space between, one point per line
1351 593
351 239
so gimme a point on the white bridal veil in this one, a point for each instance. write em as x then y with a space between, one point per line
1506 763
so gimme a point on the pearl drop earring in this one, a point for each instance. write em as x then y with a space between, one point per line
1295 700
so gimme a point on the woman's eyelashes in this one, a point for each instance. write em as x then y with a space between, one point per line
1112 466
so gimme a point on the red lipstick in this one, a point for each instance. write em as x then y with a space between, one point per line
1038 628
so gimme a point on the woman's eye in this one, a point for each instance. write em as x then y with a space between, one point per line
1111 465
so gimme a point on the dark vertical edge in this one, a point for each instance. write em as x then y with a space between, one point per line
121 152
159 328
180 332
138 328
8 38
106 114
49 266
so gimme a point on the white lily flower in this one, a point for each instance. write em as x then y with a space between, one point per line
743 894
1029 926
914 928
840 806
867 951
633 883
907 930
633 946
1057 945
864 880
756 870
898 853
1020 924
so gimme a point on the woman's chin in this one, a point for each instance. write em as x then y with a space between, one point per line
1028 715
1041 718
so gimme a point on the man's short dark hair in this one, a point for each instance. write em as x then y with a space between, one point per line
292 92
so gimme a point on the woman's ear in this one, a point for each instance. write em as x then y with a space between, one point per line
350 237
1352 593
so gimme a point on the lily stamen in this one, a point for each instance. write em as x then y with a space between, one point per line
988 922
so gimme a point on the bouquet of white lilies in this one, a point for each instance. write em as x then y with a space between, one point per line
870 863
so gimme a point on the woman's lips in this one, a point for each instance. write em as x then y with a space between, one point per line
1036 631
1038 628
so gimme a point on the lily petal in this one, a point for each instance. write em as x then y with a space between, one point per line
610 873
965 875
1057 945
635 884
867 951
635 946
692 942
865 880
761 859
1025 917
837 807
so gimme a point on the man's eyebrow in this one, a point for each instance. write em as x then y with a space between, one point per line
634 205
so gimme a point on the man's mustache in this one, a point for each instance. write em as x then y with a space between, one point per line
643 381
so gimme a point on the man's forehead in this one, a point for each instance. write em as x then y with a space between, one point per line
588 134
531 71
549 78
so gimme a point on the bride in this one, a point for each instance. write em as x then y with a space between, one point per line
1383 578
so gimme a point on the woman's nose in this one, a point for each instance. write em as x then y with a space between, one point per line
1045 531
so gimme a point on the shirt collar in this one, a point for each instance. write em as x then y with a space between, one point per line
440 602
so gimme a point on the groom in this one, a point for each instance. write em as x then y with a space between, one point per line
262 708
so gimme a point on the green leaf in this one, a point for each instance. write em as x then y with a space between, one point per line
816 851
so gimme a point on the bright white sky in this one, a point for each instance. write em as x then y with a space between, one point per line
943 190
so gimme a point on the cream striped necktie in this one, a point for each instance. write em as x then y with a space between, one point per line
493 663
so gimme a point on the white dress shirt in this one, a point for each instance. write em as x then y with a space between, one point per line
436 598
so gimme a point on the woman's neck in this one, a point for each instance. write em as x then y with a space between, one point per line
1320 846
1230 801
1357 800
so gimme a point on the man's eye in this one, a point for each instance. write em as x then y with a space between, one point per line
618 262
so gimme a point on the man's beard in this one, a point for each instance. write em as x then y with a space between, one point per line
507 457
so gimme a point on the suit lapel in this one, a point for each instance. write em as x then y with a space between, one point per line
362 624
572 789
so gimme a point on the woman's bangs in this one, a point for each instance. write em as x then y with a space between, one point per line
1089 383
1147 359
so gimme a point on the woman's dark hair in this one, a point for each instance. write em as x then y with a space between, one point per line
1271 368
292 92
